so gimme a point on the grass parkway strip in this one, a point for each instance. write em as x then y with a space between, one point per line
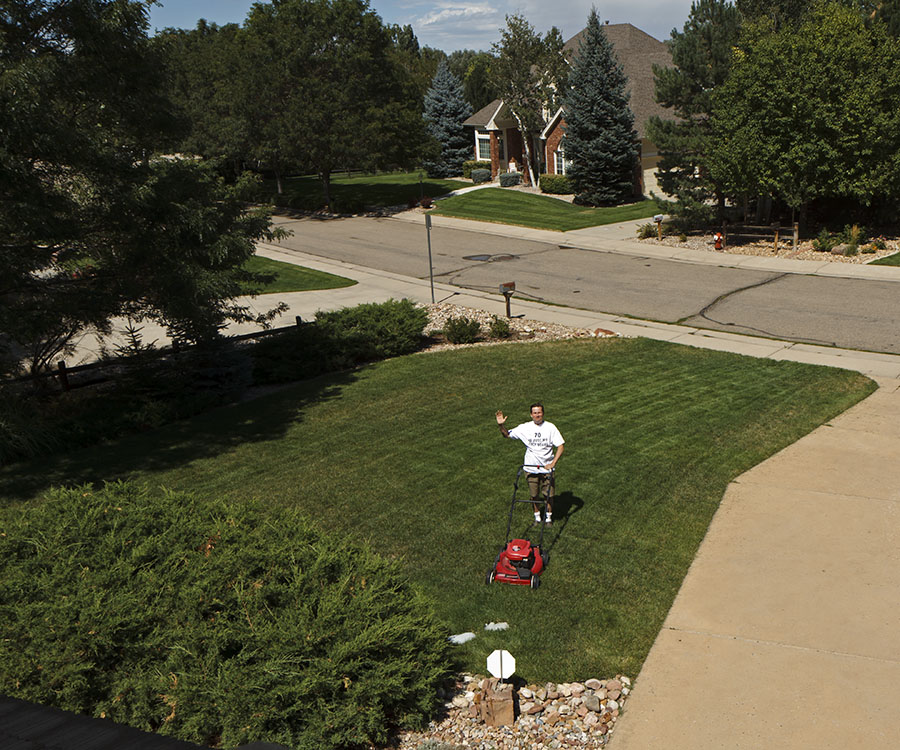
406 455
504 206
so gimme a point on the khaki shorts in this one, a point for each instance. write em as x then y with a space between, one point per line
538 483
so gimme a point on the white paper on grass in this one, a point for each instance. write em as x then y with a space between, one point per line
497 626
461 638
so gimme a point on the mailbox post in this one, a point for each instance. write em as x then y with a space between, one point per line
430 264
507 288
658 219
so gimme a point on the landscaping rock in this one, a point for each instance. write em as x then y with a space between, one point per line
488 718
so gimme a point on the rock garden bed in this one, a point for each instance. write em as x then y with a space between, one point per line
551 715
520 329
804 250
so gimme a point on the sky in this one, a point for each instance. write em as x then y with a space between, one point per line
458 24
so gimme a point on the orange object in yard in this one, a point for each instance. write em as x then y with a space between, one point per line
718 238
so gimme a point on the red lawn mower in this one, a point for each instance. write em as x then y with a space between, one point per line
520 562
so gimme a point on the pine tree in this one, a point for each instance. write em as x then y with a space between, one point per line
445 110
702 54
600 137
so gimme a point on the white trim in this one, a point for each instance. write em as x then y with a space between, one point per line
491 125
546 131
559 158
482 135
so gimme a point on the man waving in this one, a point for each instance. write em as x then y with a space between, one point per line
540 438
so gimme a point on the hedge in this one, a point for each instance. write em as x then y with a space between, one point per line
481 175
468 166
508 179
340 339
216 624
556 184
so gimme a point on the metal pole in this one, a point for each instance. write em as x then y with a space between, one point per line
430 266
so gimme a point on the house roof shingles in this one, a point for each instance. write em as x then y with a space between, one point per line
637 52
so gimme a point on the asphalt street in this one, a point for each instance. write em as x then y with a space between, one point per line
848 313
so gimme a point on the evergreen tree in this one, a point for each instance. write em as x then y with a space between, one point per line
445 110
600 135
702 54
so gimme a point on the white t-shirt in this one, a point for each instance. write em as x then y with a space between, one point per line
540 440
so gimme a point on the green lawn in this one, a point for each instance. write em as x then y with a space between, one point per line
538 211
363 191
888 260
407 455
291 278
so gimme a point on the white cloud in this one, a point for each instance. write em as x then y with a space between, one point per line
459 24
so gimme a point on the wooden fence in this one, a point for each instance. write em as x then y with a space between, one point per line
758 233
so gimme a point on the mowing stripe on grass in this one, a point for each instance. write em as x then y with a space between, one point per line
406 454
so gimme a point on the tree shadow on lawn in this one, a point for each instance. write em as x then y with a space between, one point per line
218 431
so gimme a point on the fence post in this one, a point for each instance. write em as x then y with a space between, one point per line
776 240
796 234
63 375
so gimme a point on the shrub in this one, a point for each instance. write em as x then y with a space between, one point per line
500 328
645 231
555 184
340 339
682 237
468 166
211 623
509 179
879 244
825 241
462 330
481 175
869 249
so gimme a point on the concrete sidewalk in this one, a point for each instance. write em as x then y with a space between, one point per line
786 630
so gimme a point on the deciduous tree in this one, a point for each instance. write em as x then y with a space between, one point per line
529 75
326 91
92 224
811 111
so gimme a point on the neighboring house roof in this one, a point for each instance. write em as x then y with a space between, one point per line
495 116
637 52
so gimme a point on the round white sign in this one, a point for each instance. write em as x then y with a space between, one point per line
501 664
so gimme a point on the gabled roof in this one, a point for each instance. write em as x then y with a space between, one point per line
552 123
495 116
637 52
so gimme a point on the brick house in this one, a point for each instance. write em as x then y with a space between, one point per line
497 138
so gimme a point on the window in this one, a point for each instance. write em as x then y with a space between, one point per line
561 164
483 144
